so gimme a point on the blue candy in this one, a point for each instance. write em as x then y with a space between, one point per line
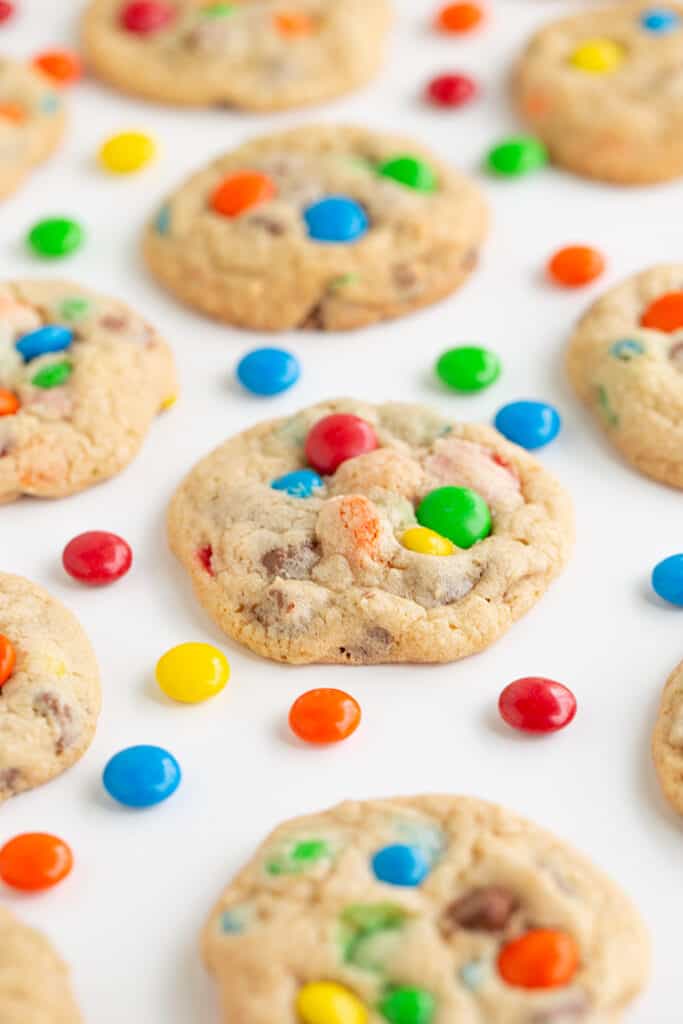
400 865
660 19
268 371
141 776
528 424
336 219
162 221
627 349
53 338
667 579
300 484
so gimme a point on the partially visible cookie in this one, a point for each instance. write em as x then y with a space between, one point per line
32 121
625 361
34 981
251 254
604 90
82 377
429 910
667 740
254 54
50 703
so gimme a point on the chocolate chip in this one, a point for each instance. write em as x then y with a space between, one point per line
9 780
486 909
470 259
112 322
314 319
269 224
573 1010
292 562
56 711
380 636
404 276
676 355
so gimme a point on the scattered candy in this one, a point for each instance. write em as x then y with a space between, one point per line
400 865
302 483
324 716
660 19
665 313
528 424
336 219
326 1002
409 171
468 368
294 24
144 16
459 17
426 542
268 371
141 776
52 376
535 704
8 659
598 56
6 10
51 338
575 265
408 1006
97 558
126 152
458 513
452 90
34 861
241 192
9 403
193 672
336 438
55 237
62 67
541 958
518 155
667 579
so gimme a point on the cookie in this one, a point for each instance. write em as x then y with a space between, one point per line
34 982
667 740
625 362
32 121
427 910
254 54
81 379
411 229
604 90
302 567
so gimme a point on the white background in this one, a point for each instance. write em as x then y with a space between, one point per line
127 919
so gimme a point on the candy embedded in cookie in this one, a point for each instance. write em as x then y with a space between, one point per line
32 121
422 910
362 534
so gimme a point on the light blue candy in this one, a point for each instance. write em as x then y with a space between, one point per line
627 349
336 219
402 865
660 19
53 338
162 222
141 776
667 579
472 974
299 484
268 371
528 424
50 103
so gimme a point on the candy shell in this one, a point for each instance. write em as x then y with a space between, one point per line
97 558
667 579
528 424
192 672
336 219
141 776
268 371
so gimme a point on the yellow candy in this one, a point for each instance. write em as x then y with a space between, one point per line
325 1002
169 402
599 56
192 672
127 152
426 541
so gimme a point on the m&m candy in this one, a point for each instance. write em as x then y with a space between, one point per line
451 90
409 171
665 313
575 265
268 371
516 156
97 558
528 424
294 24
52 376
660 19
408 1005
667 579
51 338
8 659
61 66
336 219
55 237
302 483
468 368
141 776
192 672
540 958
34 861
9 403
145 16
6 10
336 438
459 17
426 542
241 192
401 865
126 152
457 513
326 1002
535 704
324 716
598 56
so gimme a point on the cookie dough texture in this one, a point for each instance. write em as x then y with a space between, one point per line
308 908
667 740
326 579
50 703
68 437
34 981
624 125
631 377
242 59
262 270
32 122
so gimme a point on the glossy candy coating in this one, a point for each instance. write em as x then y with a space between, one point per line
541 958
665 313
401 865
34 861
458 513
598 56
192 672
141 776
535 704
426 542
408 1005
336 219
52 376
8 658
324 716
459 17
241 192
294 24
268 371
6 10
9 403
301 483
451 90
145 16
336 438
55 237
575 266
660 19
97 558
326 1002
517 155
409 171
528 424
126 152
63 67
51 338
667 579
468 368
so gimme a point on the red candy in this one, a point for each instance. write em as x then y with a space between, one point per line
6 10
451 90
97 558
336 438
144 16
324 716
534 704
34 861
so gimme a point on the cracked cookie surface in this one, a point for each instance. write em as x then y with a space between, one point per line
667 740
262 270
316 904
255 54
32 122
34 981
325 578
77 402
50 702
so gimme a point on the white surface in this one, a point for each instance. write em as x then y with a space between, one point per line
128 917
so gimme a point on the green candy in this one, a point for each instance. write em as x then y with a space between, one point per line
408 1006
457 513
517 155
74 308
55 237
299 857
218 10
409 171
468 368
52 376
368 933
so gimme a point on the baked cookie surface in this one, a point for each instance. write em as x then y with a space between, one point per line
667 740
32 121
262 269
326 577
254 54
50 702
34 981
81 379
604 90
418 910
625 362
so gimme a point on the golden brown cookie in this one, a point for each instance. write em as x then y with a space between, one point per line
32 121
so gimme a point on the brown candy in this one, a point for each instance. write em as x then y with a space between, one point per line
486 909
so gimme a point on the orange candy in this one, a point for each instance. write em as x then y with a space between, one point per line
241 192
60 65
575 265
8 659
541 958
665 313
9 403
324 716
293 23
12 112
34 861
461 17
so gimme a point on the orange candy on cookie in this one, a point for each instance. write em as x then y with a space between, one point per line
541 958
293 24
9 403
241 192
8 659
665 313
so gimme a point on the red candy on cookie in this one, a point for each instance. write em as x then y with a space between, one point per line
144 16
336 438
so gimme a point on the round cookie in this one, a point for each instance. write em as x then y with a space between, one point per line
255 54
667 740
604 90
32 121
76 401
326 578
50 702
625 362
261 269
34 981
417 903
